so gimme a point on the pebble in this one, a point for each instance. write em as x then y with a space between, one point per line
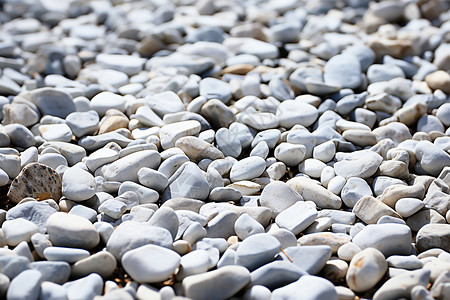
310 258
228 136
310 287
69 230
388 238
257 250
25 286
366 269
221 283
150 263
121 241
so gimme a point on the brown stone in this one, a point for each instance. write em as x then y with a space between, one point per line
439 80
37 181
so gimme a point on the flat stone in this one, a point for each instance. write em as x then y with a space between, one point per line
170 133
77 184
52 102
288 117
143 233
19 135
18 230
362 164
313 191
401 285
107 100
276 274
388 238
165 103
128 64
53 271
297 217
257 250
71 231
343 70
433 236
187 182
247 169
308 258
83 123
310 287
65 254
36 212
278 196
126 168
197 149
85 288
370 210
221 283
212 88
25 286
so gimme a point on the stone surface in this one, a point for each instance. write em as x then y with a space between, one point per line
37 181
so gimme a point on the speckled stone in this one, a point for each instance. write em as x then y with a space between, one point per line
37 181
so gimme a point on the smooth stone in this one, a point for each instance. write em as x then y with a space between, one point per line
366 269
247 169
83 123
308 258
187 182
212 88
311 190
362 164
407 207
354 189
347 251
92 143
197 149
400 286
220 194
370 210
18 230
107 100
126 168
71 231
19 135
312 167
388 238
52 160
56 132
70 255
25 286
276 274
222 225
50 290
288 117
170 133
296 217
121 241
217 113
165 103
410 262
192 263
290 154
246 226
433 236
140 194
310 287
53 271
36 212
73 153
325 151
112 208
12 265
334 240
343 70
219 284
257 250
85 288
148 117
128 64
77 184
278 196
99 158
52 102
165 217
432 158
150 263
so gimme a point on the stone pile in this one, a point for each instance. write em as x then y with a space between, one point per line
185 149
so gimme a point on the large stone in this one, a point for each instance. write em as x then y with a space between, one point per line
53 102
36 181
